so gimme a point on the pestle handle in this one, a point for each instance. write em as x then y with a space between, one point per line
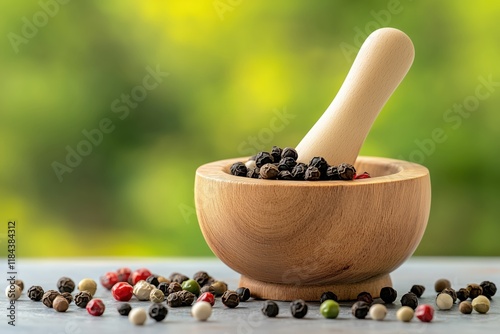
382 62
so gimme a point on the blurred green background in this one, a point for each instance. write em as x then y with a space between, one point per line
233 66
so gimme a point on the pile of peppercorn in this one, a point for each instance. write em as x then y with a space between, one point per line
282 164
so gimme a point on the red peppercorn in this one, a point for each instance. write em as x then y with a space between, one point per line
140 275
206 297
109 279
122 291
365 175
424 312
95 307
123 274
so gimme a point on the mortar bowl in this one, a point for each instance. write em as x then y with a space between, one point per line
298 239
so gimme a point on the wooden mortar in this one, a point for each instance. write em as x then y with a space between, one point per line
298 239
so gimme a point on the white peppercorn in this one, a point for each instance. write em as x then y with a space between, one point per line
444 301
201 311
142 290
156 296
405 314
13 292
138 316
378 312
481 304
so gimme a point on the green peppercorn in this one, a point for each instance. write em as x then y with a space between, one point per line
409 299
388 294
489 289
365 297
230 299
192 286
442 284
346 171
418 290
312 174
474 290
269 171
329 309
263 158
298 308
360 309
463 294
270 309
243 293
299 171
328 295
289 152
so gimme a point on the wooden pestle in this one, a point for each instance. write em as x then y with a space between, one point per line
382 62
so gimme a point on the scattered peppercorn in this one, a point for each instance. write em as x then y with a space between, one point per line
238 169
123 274
329 309
174 299
360 309
163 287
321 164
332 173
174 287
287 164
481 304
177 277
253 173
122 291
299 171
451 292
489 288
298 308
442 284
13 292
285 175
192 286
124 309
289 152
201 277
418 290
312 174
378 312
474 290
82 298
201 311
219 288
346 171
465 307
207 288
230 299
268 171
388 294
162 279
444 301
65 284
60 304
365 297
328 295
187 298
263 158
206 297
140 274
142 290
276 153
88 284
153 279
424 313
409 299
48 297
463 294
243 293
158 312
109 279
96 307
405 314
20 284
35 293
138 316
68 296
270 309
156 296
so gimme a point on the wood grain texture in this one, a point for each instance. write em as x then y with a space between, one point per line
381 64
318 233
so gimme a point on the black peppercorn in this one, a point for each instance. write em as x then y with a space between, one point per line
48 297
285 175
124 309
174 299
82 298
360 309
474 290
332 173
321 164
489 288
230 298
441 284
269 171
418 290
409 299
263 158
312 174
238 169
388 294
153 279
289 152
299 171
243 293
207 288
298 308
270 309
65 284
253 173
287 164
163 287
201 277
35 293
346 171
451 292
187 297
328 295
276 153
365 297
463 294
158 311
177 277
174 287
67 296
